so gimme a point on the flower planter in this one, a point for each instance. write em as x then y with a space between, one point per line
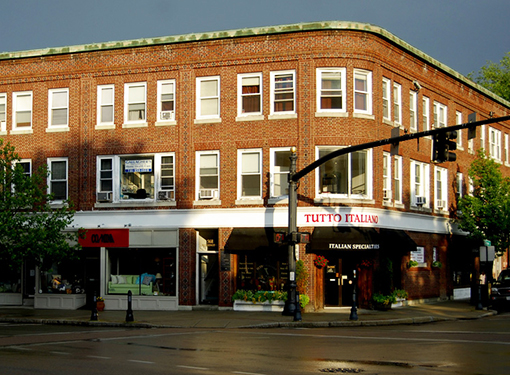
100 305
273 306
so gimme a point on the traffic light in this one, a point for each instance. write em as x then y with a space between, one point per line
296 237
443 145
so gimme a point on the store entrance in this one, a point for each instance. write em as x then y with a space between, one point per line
339 280
209 279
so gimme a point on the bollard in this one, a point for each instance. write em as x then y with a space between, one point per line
354 309
129 312
297 311
479 305
93 315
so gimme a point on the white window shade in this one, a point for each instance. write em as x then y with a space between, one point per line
251 163
137 94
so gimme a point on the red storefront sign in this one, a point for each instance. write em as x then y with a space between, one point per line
104 238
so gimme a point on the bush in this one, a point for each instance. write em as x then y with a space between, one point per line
259 296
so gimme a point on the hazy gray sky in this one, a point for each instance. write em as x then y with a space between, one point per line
463 34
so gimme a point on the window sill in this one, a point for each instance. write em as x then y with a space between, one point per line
3 132
105 126
206 202
57 130
322 200
331 114
250 118
421 209
136 204
441 212
207 120
277 200
363 115
387 203
165 123
22 131
282 116
248 201
129 125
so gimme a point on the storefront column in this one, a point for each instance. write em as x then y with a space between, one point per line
102 271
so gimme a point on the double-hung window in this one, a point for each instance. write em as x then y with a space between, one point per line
280 168
208 175
105 105
386 176
208 98
58 179
386 97
135 103
362 92
331 90
249 94
495 144
507 145
397 104
3 108
346 176
460 186
136 178
441 190
397 179
458 121
249 172
283 92
440 115
166 100
420 184
22 110
58 108
413 113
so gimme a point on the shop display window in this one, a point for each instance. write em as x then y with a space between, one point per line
10 280
268 271
66 277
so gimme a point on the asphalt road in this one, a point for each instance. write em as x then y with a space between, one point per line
461 347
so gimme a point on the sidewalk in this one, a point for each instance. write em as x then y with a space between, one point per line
202 318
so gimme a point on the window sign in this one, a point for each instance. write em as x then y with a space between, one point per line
132 166
418 255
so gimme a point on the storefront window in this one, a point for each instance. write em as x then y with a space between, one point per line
66 277
143 271
10 281
262 271
137 179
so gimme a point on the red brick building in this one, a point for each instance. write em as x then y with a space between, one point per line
178 147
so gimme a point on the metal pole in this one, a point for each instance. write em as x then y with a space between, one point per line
354 309
93 315
129 312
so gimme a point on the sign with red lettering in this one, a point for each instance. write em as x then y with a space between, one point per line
105 238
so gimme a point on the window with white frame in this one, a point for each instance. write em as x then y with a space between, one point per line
397 104
420 184
280 168
397 179
495 144
138 177
135 102
166 100
426 113
441 189
208 97
283 92
460 185
249 94
249 174
3 109
58 178
346 176
458 121
331 88
413 116
22 110
482 136
506 149
362 91
386 176
105 104
386 97
418 255
440 115
58 108
208 175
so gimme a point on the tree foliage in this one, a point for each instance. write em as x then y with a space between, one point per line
495 77
31 229
486 213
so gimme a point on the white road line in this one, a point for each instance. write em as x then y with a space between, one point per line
246 373
193 367
98 357
60 353
146 362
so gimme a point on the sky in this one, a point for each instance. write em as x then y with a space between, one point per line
462 34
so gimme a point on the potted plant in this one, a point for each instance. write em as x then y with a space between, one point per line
383 301
100 303
437 264
320 262
412 263
261 300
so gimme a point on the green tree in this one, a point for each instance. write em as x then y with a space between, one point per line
495 77
486 213
30 229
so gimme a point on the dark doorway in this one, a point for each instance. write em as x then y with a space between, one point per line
209 279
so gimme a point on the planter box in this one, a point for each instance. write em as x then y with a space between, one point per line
11 299
274 306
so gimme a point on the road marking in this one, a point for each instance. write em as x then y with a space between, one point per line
98 357
146 362
246 373
60 353
193 367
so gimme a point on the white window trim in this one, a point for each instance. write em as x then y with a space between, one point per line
50 161
63 127
458 121
282 114
397 104
321 197
206 202
460 185
272 159
248 116
135 123
495 144
248 199
23 130
116 184
413 108
426 113
443 172
99 123
424 183
386 98
3 124
507 145
159 120
368 93
331 111
399 180
387 179
199 119
437 109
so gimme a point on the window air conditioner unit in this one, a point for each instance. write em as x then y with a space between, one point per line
208 193
386 195
420 201
104 196
440 204
165 195
167 115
